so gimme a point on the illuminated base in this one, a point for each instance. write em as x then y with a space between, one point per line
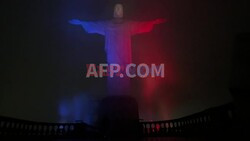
119 86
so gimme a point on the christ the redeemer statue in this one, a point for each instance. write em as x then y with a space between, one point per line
117 34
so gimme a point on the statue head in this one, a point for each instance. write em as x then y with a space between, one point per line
118 11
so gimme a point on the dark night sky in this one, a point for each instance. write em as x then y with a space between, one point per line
43 57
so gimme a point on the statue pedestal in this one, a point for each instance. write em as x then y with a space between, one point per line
118 116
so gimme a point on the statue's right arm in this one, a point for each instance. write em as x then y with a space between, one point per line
75 22
90 26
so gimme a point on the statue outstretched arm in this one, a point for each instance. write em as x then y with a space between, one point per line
147 26
90 27
75 22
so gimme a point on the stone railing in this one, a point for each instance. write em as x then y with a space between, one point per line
214 120
14 127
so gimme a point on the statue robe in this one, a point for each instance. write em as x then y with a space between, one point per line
118 47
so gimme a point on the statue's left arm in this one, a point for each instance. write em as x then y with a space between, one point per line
143 27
